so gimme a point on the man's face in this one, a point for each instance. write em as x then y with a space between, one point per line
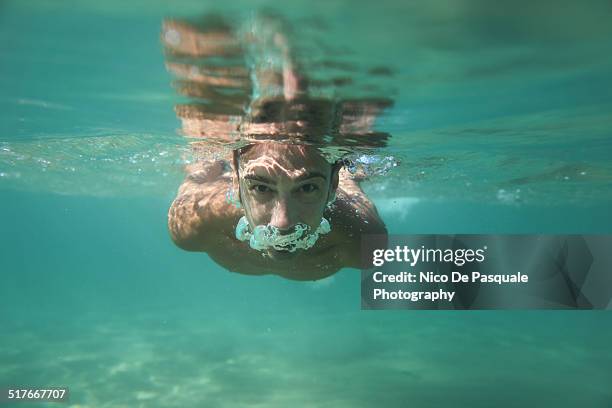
283 186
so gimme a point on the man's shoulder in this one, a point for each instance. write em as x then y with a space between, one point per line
200 214
355 213
353 216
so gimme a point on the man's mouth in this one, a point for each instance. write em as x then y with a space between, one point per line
274 241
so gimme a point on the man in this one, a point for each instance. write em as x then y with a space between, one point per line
290 212
281 186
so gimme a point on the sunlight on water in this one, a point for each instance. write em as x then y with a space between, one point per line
486 103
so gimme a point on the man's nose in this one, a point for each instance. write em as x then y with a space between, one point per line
283 216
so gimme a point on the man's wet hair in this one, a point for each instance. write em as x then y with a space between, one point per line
336 165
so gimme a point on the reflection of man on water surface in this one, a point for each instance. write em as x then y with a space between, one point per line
275 205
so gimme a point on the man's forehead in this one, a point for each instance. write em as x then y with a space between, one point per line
271 167
283 160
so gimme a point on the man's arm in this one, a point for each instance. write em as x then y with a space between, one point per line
200 216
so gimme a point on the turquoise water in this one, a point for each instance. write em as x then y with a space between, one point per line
501 124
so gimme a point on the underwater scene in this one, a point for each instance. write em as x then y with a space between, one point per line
184 186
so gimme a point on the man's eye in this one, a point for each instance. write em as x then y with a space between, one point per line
260 188
309 188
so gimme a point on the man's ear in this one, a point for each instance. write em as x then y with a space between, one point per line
335 179
236 174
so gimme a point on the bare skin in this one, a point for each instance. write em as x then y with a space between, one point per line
280 185
200 219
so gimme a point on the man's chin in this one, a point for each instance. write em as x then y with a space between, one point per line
280 255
